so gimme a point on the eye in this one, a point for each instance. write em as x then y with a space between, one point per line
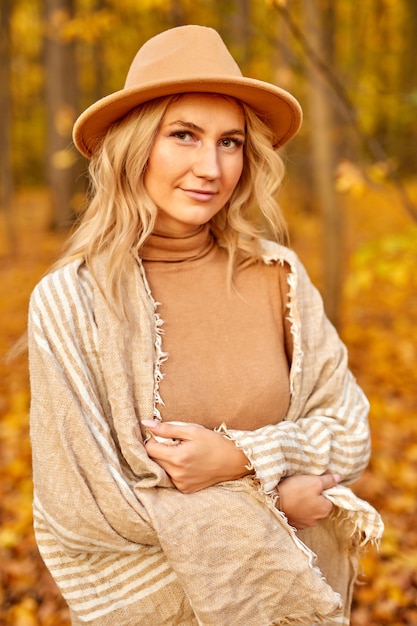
183 135
231 142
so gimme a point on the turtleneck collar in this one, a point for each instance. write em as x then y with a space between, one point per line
174 248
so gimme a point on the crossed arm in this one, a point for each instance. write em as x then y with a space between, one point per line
204 458
325 438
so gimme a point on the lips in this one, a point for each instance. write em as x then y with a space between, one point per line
200 195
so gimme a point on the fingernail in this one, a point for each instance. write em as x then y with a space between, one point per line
337 478
150 423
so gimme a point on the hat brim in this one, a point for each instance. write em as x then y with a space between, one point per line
279 109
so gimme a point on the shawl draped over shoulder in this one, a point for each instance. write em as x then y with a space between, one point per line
125 546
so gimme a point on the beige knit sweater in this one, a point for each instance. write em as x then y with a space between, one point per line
127 548
228 346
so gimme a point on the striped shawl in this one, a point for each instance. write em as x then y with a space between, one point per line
124 546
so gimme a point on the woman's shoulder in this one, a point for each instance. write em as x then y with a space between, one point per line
297 275
69 278
275 252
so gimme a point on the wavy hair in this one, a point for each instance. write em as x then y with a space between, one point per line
121 215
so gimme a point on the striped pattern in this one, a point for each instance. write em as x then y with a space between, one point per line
110 580
326 429
123 546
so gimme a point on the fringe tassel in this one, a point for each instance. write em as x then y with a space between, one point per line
160 355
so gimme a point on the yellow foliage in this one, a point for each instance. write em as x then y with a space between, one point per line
276 3
24 614
99 24
23 580
64 119
349 178
63 159
58 19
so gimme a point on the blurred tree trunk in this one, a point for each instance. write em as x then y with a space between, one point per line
323 159
63 164
98 60
243 33
176 13
6 176
405 144
283 57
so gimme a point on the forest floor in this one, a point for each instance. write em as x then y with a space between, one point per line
378 323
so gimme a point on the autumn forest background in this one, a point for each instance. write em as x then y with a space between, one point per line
350 198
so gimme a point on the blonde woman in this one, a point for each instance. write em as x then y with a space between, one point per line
194 422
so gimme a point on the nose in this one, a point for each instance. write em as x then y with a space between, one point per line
206 163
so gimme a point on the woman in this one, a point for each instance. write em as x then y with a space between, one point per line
168 306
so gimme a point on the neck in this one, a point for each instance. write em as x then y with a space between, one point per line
173 247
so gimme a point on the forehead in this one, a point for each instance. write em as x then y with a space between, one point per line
204 106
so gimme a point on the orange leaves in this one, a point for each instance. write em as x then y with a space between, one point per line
22 574
380 320
100 23
24 613
27 595
16 485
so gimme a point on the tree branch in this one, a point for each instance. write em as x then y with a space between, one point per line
373 146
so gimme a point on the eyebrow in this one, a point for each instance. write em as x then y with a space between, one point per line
192 126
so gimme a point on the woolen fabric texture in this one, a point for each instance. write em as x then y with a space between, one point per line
187 59
122 543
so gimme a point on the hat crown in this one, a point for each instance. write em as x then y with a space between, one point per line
184 52
187 59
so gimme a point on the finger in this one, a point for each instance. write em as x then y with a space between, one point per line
329 480
163 452
168 432
327 505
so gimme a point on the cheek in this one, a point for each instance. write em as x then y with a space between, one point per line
235 173
158 172
163 162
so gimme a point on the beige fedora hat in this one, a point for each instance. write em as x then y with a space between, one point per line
183 60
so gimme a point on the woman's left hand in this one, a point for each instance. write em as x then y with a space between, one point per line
302 499
201 459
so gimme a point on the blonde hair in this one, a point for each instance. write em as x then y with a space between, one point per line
121 215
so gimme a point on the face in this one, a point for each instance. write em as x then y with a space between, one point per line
196 161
